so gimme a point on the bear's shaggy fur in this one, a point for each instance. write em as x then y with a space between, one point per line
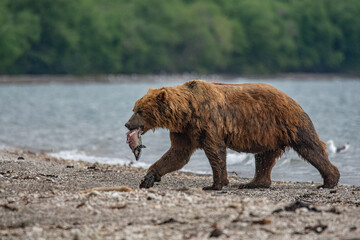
252 118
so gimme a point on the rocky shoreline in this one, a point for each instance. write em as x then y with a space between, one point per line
44 79
48 198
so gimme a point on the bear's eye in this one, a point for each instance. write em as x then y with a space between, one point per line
140 111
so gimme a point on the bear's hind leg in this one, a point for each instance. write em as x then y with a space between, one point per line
317 157
312 149
264 162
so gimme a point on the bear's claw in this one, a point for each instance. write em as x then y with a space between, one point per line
147 182
327 186
252 185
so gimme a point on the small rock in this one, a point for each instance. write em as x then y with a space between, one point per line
302 210
37 229
298 204
150 197
232 206
10 207
334 210
216 232
118 207
20 158
353 228
318 228
277 210
262 221
170 220
81 205
93 167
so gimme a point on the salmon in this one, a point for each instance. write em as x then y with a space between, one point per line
134 141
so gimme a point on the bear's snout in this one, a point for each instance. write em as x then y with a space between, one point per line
134 122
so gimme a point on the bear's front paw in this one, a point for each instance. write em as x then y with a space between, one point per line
149 180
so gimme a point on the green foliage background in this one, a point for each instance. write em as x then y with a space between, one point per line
174 36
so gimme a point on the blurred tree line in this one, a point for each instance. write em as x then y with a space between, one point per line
162 36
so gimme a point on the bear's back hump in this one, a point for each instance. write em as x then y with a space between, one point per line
249 93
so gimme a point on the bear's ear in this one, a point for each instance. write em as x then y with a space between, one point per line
191 84
151 90
162 96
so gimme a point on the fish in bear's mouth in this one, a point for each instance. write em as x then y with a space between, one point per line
134 141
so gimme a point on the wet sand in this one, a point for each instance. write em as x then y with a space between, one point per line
48 198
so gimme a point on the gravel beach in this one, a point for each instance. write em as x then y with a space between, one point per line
47 198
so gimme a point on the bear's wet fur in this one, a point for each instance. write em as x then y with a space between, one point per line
252 118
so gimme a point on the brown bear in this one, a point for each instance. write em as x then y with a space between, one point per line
251 118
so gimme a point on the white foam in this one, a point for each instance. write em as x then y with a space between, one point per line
185 169
5 147
82 156
288 161
239 158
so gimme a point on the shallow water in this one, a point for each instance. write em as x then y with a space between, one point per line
86 122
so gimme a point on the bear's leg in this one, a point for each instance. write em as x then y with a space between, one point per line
217 159
264 162
224 180
317 158
312 149
174 159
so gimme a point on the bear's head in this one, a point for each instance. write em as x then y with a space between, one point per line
151 111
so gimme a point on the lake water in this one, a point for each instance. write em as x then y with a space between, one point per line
86 122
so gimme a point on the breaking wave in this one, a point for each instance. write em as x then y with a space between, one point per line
82 156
